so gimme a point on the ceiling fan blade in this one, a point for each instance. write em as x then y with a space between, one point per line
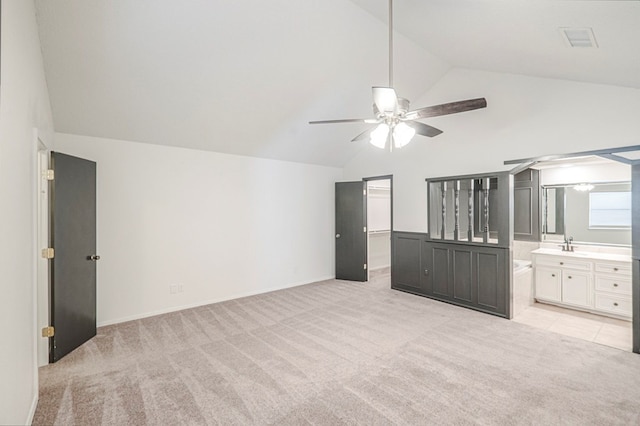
423 129
385 99
444 109
346 120
364 135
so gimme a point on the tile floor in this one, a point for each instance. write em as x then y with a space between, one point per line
582 325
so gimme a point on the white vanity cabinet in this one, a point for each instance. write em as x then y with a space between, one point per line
566 281
580 281
613 288
548 283
576 288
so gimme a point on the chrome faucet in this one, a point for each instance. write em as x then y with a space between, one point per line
567 244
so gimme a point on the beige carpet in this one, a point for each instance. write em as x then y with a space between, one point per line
338 352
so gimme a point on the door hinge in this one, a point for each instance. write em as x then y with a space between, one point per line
48 253
364 192
48 331
365 229
48 174
365 266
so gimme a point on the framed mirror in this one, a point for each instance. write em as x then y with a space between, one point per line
598 213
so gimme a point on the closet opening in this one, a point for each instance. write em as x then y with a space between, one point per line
379 225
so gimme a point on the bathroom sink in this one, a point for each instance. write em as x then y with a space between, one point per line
577 253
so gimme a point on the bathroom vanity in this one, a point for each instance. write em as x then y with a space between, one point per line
597 281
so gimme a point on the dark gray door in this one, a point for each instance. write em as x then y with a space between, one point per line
72 291
351 236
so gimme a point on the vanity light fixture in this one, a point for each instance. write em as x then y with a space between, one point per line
583 187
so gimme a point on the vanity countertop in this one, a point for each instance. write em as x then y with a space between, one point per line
584 254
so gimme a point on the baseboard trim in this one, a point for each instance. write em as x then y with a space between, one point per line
208 302
32 410
377 268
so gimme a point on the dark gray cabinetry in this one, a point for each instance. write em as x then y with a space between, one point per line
526 205
469 275
437 269
406 262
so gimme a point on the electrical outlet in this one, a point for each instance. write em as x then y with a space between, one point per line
175 288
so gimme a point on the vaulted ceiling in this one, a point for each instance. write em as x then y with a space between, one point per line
245 77
524 37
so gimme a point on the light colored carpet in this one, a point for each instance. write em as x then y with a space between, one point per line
338 352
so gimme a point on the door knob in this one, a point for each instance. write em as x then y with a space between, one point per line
94 257
337 235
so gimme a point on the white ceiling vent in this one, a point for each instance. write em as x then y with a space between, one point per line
578 37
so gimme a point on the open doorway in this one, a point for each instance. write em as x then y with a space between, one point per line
585 273
579 279
379 226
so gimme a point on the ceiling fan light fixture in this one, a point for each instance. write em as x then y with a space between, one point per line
402 134
379 135
395 122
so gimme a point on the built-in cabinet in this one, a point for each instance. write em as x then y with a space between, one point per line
598 285
613 288
465 257
468 275
526 205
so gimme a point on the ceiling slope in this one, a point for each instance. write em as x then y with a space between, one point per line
523 37
233 77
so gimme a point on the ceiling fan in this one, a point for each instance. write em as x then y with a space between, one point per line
393 121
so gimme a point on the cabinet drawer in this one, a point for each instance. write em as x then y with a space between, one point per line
621 285
563 262
620 305
614 268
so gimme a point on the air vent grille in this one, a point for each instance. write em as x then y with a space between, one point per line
579 37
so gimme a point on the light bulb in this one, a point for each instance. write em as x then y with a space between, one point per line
402 134
583 187
379 135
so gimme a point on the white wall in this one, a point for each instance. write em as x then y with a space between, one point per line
588 173
24 105
525 117
221 225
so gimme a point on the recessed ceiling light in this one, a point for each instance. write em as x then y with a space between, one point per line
578 37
